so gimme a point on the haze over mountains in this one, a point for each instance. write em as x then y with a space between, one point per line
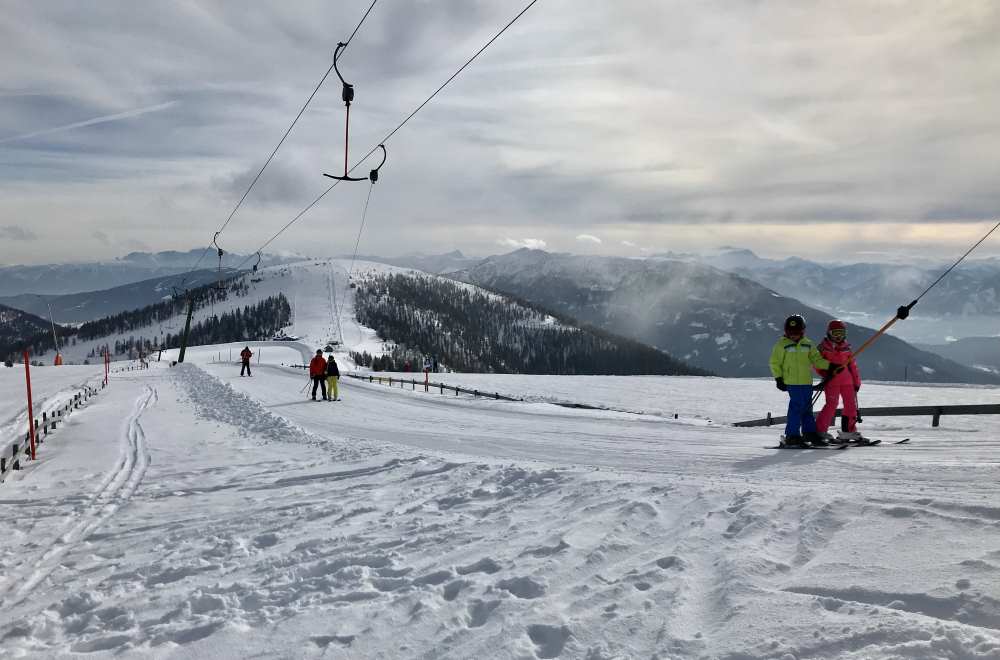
720 312
60 279
964 304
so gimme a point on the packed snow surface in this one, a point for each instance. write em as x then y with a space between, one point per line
190 513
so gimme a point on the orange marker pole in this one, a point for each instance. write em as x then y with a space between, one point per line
31 413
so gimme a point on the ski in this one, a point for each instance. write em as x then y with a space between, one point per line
822 447
871 443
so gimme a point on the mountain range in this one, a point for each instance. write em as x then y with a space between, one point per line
712 319
972 289
92 305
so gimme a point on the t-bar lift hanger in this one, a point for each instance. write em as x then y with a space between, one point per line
347 94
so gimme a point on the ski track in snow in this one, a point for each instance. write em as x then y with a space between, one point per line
257 535
113 492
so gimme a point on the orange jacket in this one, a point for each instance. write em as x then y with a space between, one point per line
317 367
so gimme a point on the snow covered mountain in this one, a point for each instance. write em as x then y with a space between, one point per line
429 263
711 319
19 329
977 352
469 329
971 292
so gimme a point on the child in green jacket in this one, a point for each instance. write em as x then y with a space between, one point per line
792 360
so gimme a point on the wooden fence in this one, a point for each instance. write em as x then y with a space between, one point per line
934 412
427 386
21 449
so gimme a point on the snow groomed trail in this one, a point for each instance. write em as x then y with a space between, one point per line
197 514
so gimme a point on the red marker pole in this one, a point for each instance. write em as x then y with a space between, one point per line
31 413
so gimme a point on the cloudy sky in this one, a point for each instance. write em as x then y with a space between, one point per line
827 130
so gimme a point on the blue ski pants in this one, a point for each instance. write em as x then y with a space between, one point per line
800 414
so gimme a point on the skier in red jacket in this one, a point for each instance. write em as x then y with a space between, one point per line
317 371
245 356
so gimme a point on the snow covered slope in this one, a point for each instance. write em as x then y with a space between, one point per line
312 288
188 512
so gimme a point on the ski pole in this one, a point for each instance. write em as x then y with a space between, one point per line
857 408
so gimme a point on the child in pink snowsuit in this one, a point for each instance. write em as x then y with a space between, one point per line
844 385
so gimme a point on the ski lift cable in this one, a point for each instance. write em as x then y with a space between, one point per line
401 124
903 311
357 240
287 132
960 260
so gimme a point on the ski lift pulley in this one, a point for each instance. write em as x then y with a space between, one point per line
221 252
373 175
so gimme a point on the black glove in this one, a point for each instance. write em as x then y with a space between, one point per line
856 388
780 384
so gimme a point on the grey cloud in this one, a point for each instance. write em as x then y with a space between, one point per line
17 233
594 116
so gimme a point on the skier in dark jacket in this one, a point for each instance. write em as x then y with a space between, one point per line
317 371
245 356
332 376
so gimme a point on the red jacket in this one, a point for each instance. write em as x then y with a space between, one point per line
317 367
840 354
245 354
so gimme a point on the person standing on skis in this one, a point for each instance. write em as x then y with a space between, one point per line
332 376
792 360
245 356
317 371
841 381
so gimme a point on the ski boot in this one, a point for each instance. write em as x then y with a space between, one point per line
794 441
847 437
815 439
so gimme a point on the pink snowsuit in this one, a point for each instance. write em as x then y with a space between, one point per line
843 385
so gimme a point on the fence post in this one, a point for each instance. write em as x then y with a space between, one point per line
475 393
413 385
442 388
426 380
31 414
936 420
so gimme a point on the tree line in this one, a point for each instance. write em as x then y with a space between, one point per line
468 329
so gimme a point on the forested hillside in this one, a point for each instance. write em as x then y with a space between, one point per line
252 322
468 329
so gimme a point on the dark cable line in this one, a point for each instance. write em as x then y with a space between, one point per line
357 241
281 141
398 126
